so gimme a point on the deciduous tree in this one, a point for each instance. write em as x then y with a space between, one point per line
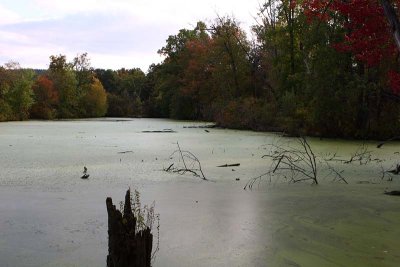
46 99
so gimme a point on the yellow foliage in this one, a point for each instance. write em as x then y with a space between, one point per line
95 100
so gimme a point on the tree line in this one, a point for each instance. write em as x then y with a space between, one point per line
65 90
324 68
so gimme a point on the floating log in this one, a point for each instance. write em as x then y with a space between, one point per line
392 193
229 165
208 126
124 152
160 131
127 247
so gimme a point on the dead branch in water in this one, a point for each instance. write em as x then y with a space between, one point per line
186 162
338 174
362 156
296 164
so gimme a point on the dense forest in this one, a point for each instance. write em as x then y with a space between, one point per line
324 68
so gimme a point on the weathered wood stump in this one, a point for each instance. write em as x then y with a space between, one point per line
127 247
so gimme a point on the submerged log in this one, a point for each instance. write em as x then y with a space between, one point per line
127 247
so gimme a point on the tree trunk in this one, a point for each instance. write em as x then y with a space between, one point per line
391 15
291 33
126 247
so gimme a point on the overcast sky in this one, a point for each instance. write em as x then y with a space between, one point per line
115 33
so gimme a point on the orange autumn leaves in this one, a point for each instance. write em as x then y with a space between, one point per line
46 97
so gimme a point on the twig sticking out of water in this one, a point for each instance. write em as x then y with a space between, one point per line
338 174
189 161
362 155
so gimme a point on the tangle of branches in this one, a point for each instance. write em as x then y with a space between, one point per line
296 164
185 162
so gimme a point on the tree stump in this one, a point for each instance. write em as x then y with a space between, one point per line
127 247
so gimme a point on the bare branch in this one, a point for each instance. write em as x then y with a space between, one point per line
191 165
300 164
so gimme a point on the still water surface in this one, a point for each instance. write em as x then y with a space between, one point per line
51 217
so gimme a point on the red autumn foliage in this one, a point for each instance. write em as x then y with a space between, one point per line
44 90
368 38
198 70
394 81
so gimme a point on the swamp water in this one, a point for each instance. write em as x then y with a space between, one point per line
51 217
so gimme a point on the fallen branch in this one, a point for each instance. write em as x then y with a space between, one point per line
189 161
297 164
